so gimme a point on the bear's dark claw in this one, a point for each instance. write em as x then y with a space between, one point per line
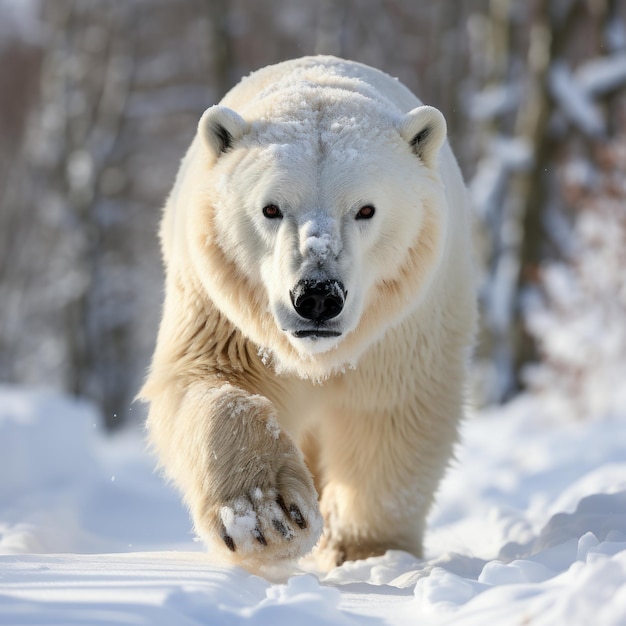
282 529
258 535
228 540
296 515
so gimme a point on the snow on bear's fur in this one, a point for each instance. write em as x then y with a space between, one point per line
308 377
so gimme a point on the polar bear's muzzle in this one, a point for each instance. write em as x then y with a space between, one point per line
318 301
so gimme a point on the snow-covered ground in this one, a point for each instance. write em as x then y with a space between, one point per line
530 529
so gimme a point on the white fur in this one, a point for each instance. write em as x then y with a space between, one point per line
243 410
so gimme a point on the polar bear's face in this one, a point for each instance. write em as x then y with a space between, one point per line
321 212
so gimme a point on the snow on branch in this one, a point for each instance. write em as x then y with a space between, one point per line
504 155
574 101
493 101
602 75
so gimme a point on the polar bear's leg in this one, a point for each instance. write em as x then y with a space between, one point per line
381 473
310 447
242 477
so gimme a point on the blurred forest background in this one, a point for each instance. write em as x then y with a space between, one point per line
100 98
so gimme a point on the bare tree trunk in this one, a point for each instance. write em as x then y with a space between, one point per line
549 34
222 49
529 187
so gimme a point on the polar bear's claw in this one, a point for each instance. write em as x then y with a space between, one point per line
285 531
259 536
297 517
293 513
227 539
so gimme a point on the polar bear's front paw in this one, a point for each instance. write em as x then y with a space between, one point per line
275 518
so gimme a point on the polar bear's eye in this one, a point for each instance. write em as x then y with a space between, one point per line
365 212
271 211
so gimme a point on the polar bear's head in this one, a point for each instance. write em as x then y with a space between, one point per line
324 223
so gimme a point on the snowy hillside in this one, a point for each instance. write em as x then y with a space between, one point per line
530 529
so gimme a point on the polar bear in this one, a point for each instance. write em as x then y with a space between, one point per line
308 378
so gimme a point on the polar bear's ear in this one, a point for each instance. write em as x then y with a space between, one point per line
425 130
221 127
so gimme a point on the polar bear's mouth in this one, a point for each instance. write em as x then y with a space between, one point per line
316 332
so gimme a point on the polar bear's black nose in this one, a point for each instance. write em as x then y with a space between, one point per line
318 300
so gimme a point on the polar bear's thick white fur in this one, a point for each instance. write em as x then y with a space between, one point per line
308 378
